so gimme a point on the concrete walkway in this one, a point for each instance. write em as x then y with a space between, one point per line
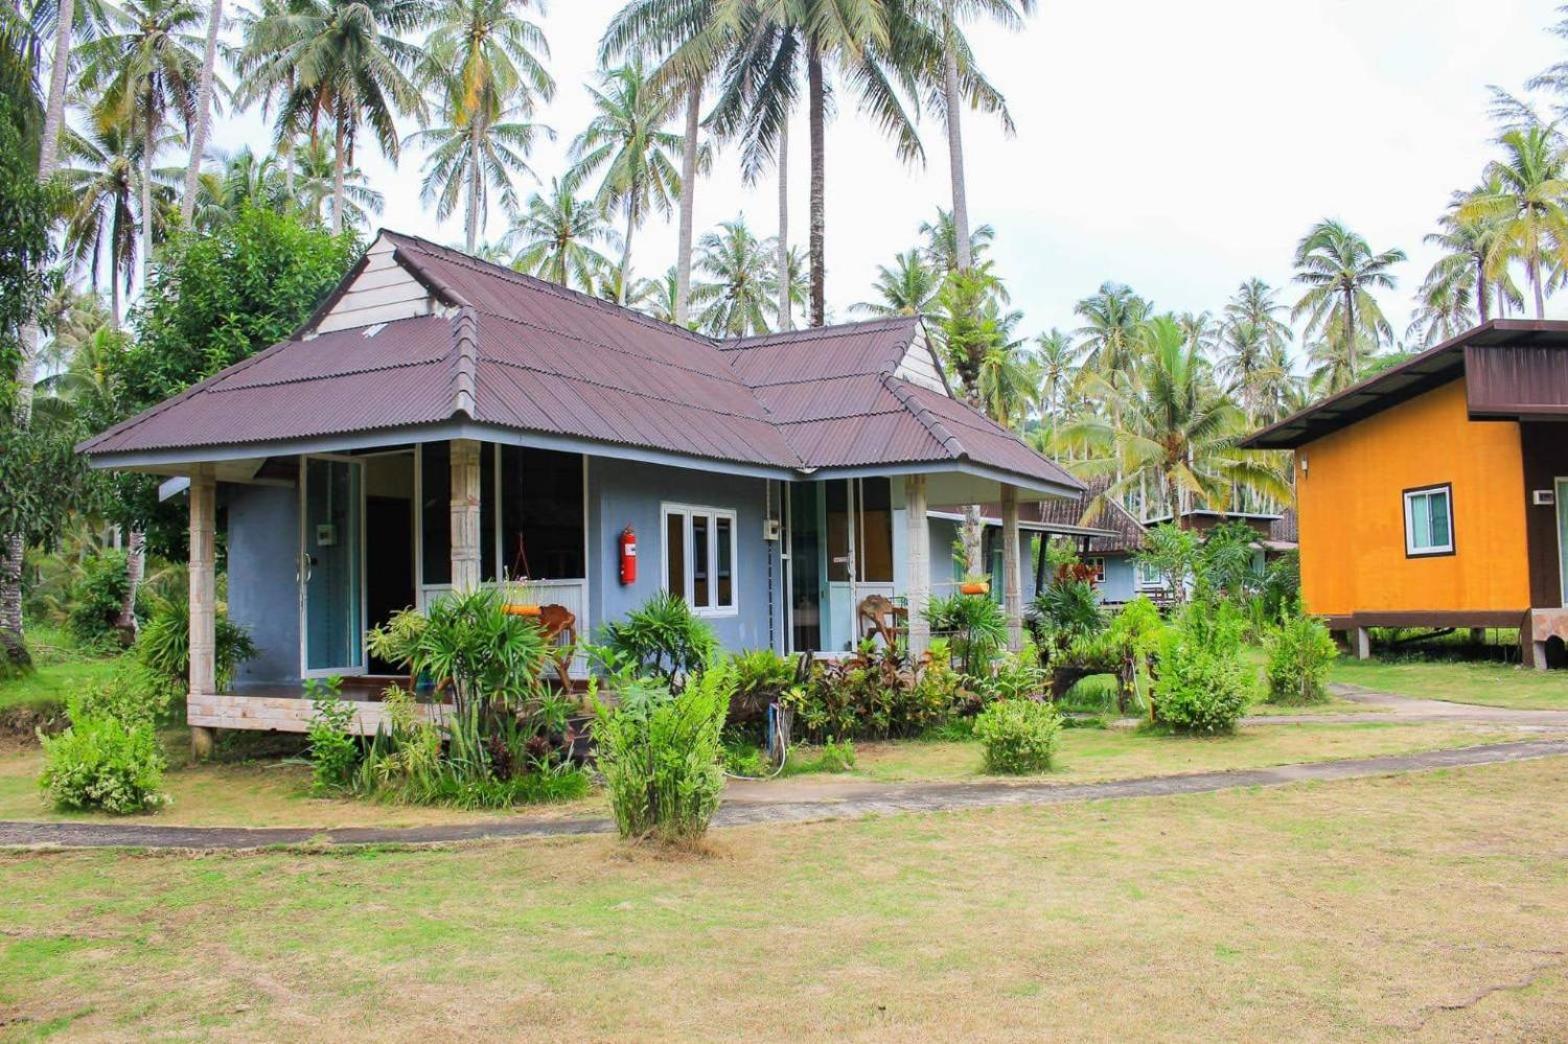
752 804
1390 707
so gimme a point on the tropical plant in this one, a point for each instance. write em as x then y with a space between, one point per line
1525 203
909 287
1019 736
941 249
661 755
662 639
877 693
103 172
485 60
102 764
163 643
344 61
737 292
144 69
334 754
558 238
1113 317
1300 651
974 626
1203 684
625 144
1340 272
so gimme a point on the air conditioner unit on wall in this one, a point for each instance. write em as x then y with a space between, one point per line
1543 497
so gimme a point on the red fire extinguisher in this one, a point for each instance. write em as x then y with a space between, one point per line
628 543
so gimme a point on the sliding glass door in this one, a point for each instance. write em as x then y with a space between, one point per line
331 567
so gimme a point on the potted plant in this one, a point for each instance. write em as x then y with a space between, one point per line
975 584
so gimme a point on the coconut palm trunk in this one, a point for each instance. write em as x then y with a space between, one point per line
952 106
785 322
1350 330
203 114
151 131
475 187
1535 285
688 197
1482 293
59 68
339 163
626 249
816 114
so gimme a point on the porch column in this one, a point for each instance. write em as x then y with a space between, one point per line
1012 576
1362 636
917 586
203 597
465 514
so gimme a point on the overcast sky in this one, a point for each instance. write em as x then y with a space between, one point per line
1177 147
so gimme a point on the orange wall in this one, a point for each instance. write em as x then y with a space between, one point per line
1351 511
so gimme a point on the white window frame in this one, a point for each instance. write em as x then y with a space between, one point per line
687 512
1424 493
1148 576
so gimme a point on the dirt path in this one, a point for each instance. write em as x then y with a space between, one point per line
801 801
1413 710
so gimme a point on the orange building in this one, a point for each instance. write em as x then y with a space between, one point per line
1435 494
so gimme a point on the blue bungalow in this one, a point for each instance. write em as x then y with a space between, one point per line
441 423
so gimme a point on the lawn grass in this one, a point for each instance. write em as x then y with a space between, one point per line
1489 684
48 685
1433 904
1087 755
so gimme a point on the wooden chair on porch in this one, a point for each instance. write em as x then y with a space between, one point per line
559 627
880 618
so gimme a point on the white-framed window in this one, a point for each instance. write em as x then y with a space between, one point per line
1149 575
699 557
1429 521
1098 565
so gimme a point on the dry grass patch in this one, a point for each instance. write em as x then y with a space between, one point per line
1363 909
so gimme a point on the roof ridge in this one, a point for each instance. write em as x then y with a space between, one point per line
512 275
810 333
925 416
465 347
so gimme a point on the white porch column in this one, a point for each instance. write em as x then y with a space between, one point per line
917 587
465 515
1012 575
203 597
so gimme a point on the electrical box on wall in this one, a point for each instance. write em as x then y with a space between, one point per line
1543 497
771 530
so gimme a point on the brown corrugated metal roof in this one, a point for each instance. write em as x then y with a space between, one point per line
518 352
1092 508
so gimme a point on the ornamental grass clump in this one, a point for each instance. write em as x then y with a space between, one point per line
662 756
1019 736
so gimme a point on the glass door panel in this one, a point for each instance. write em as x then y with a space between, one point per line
331 567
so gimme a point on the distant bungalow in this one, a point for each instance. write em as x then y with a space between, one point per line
1432 495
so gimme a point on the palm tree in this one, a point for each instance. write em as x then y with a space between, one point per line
656 297
337 60
1444 309
145 68
942 245
486 61
626 141
676 34
909 287
242 180
104 174
736 299
1244 351
767 41
1274 389
929 39
1466 242
1059 360
1174 433
1527 204
312 180
1112 317
198 149
1254 303
1340 271
472 157
560 238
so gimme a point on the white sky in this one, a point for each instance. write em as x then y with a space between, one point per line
1177 147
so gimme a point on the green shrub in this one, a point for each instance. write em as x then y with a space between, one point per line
974 626
101 763
133 694
1203 684
876 694
163 644
1124 649
661 755
1014 676
1019 736
1064 612
96 598
834 757
1300 651
762 677
662 639
334 752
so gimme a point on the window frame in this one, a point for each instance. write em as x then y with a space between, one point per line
1407 499
687 512
1142 576
1097 563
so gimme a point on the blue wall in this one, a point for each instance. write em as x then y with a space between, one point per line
1119 585
263 591
622 493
